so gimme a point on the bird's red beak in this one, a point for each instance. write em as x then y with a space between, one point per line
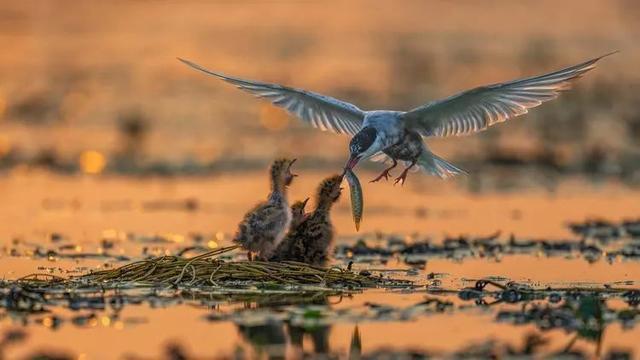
353 160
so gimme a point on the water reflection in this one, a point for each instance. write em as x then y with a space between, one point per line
551 302
275 337
295 327
72 138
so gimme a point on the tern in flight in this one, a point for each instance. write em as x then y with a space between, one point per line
399 135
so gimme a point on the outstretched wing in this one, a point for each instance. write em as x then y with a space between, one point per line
477 109
321 111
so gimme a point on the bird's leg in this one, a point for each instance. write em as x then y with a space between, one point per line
385 173
249 256
401 179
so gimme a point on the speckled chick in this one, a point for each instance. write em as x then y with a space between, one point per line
264 227
298 214
311 241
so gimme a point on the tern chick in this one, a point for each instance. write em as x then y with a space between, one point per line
298 216
298 213
264 227
398 135
311 241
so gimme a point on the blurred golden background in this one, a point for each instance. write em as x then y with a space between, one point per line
103 77
95 88
107 139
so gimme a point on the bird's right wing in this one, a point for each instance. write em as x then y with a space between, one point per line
477 109
323 112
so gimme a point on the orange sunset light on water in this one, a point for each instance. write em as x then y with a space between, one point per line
114 155
92 162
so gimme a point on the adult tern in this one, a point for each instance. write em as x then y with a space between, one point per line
399 135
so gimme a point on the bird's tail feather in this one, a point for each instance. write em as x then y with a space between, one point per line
437 166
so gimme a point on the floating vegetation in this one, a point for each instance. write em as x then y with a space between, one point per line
211 270
604 230
367 285
599 241
582 312
514 292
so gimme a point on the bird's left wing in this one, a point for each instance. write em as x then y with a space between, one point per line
477 109
323 112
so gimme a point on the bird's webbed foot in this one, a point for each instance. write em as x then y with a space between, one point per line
403 177
385 174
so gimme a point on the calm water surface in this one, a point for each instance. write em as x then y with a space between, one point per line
49 212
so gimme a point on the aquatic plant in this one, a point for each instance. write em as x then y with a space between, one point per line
210 269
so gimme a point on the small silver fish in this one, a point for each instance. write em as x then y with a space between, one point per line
357 200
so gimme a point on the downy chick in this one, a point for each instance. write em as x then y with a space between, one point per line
264 227
298 214
311 241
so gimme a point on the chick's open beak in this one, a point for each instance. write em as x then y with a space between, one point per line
289 169
289 175
304 203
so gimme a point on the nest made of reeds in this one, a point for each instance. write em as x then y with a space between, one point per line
210 269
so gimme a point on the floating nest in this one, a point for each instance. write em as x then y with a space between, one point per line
211 270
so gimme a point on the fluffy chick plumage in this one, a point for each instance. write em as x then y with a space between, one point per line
311 241
264 226
298 214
